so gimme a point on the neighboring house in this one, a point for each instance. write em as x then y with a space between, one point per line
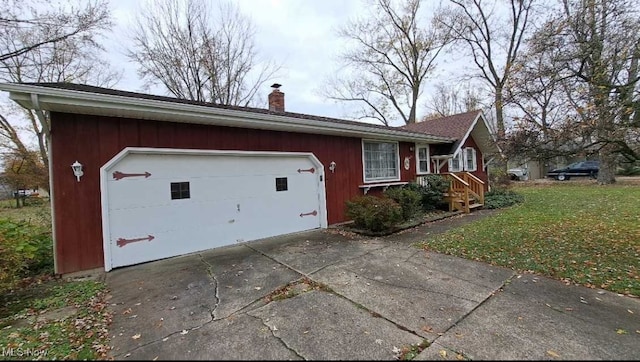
472 151
157 177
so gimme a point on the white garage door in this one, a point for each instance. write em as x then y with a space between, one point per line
163 203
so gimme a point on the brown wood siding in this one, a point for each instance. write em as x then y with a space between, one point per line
94 140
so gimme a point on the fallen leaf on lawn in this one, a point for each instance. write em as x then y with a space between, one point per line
553 354
443 353
127 311
136 336
621 331
184 331
427 329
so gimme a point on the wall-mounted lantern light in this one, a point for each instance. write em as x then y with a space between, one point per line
77 170
332 166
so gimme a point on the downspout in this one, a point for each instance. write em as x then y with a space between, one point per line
35 101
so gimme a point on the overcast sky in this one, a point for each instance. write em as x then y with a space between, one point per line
299 34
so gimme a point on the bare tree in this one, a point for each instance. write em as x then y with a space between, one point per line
536 88
589 80
76 57
391 57
177 47
52 24
493 41
450 99
603 53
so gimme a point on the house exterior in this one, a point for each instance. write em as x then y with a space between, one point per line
474 146
156 177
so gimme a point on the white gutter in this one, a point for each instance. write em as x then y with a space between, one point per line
36 107
74 101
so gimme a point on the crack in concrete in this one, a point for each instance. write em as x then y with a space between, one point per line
277 261
462 318
216 288
456 276
282 341
411 288
158 340
209 269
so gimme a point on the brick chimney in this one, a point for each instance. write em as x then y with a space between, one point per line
276 99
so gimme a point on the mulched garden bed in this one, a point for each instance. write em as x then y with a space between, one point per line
430 216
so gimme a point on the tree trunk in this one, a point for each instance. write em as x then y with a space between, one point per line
499 112
607 172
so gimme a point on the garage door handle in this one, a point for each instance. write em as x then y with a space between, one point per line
238 207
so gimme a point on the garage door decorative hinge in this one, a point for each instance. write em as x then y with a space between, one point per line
312 170
314 213
120 175
122 242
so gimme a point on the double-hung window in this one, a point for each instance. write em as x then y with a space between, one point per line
455 164
464 160
380 161
422 159
470 163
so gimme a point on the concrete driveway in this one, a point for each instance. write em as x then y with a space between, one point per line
326 295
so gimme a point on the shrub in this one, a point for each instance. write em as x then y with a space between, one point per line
432 192
499 177
374 213
629 169
501 197
409 200
25 250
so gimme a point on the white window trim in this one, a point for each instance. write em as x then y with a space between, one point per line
364 171
475 159
462 157
460 163
418 172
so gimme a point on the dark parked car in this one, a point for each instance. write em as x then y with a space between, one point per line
583 168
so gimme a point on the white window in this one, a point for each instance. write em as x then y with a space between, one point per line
381 161
422 159
470 163
455 164
464 160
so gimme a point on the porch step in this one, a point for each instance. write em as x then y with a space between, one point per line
474 206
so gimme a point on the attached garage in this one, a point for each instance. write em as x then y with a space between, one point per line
163 177
159 203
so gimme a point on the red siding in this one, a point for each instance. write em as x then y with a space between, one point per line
94 140
480 172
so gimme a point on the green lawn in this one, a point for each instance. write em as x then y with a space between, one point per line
36 211
42 316
55 320
579 233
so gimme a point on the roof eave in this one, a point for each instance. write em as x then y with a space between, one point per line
73 101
